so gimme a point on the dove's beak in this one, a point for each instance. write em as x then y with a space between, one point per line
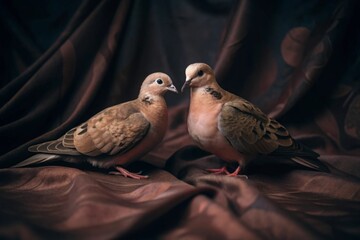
172 88
186 84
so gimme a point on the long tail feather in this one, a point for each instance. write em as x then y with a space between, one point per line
312 163
36 159
54 147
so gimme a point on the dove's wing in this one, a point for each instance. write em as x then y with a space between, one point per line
63 145
114 130
250 131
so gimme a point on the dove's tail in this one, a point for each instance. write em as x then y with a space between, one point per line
304 156
54 147
36 159
312 163
308 158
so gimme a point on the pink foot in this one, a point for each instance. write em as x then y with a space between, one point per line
126 173
234 173
217 170
224 170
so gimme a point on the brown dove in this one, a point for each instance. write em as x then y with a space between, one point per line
235 130
117 135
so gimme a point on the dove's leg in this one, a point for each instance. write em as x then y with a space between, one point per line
236 173
129 174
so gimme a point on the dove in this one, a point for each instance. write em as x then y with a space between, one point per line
234 129
118 135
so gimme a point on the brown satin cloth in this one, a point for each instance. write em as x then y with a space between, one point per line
297 60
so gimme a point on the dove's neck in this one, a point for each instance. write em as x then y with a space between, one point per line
148 99
154 108
208 93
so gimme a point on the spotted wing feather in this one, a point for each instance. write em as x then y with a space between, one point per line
112 131
251 132
62 146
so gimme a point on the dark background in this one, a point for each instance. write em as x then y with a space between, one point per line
63 61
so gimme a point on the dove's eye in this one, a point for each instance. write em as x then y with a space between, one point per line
159 81
200 73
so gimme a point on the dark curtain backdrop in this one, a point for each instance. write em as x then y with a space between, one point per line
63 61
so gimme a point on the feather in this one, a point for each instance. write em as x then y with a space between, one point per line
312 163
36 159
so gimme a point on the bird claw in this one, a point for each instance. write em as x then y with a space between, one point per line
227 173
126 173
217 170
234 173
242 176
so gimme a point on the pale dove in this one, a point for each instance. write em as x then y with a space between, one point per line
235 130
117 135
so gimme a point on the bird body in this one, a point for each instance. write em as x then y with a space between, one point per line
234 129
203 123
117 135
146 123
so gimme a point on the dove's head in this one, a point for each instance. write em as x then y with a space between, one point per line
198 75
157 84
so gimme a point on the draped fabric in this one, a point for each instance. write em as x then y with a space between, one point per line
62 62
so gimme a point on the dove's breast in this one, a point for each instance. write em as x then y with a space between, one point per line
203 127
202 120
